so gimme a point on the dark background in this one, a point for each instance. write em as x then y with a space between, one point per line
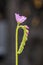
33 10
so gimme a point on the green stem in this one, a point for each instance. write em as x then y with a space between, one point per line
16 45
18 26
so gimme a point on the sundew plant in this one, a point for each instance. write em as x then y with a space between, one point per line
21 19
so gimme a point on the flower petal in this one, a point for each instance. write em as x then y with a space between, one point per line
19 18
23 18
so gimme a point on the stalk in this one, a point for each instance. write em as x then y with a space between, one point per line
16 45
18 26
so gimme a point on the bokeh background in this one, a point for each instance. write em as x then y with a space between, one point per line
33 52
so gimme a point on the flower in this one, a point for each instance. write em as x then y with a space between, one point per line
20 19
26 27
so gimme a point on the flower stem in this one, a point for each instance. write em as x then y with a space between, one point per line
18 26
16 45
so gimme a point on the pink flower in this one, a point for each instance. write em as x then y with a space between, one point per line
20 19
26 27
